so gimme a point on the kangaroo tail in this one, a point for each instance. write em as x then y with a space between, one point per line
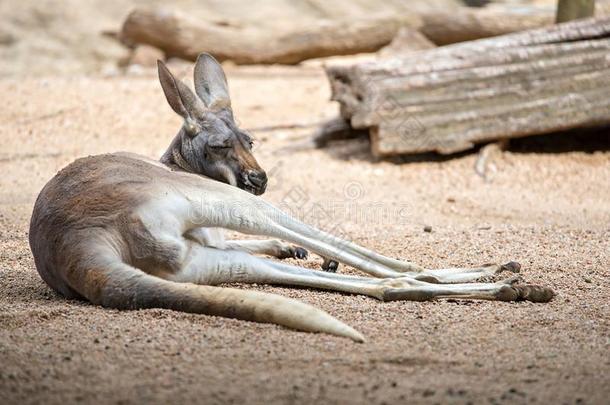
126 287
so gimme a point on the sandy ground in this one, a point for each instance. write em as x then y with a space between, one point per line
548 210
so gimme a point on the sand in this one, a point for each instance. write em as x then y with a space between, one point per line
547 206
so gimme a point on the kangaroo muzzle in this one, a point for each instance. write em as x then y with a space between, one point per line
254 181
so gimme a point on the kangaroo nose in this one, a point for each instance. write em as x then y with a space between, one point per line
259 179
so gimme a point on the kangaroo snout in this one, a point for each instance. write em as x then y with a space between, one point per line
258 179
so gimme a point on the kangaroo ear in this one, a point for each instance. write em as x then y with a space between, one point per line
178 95
210 83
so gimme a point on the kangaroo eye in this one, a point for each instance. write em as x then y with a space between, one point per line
249 140
220 146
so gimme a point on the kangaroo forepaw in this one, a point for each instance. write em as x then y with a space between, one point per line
300 253
527 292
330 265
293 252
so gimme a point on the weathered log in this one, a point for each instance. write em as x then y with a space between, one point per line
445 27
179 35
449 98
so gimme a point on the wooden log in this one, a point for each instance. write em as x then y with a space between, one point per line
449 98
445 27
179 35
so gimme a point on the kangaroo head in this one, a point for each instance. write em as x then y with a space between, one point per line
210 143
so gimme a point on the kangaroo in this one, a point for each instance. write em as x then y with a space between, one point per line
128 232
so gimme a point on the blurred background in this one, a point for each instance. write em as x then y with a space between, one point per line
66 36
